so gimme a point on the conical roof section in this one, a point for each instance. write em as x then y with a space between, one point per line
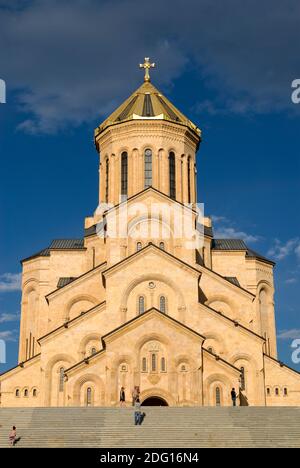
145 103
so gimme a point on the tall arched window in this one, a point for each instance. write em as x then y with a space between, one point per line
162 304
243 379
61 379
88 396
148 168
189 166
26 393
153 362
124 174
141 304
17 393
144 364
106 179
163 364
34 392
218 396
172 179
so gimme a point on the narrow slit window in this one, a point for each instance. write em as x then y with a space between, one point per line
153 362
88 396
141 304
218 396
106 180
162 304
61 379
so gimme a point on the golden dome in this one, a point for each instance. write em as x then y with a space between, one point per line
147 103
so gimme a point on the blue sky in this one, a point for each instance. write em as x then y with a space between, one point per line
228 68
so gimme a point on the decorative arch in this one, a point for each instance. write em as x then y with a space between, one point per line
48 373
84 342
216 341
222 298
76 299
160 393
87 379
211 382
148 277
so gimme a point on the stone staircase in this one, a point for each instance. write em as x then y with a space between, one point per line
163 427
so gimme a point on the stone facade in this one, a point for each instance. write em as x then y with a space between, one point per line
185 318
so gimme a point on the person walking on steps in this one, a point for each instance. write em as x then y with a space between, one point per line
233 397
12 436
122 397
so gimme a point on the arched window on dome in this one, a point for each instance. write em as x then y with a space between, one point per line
61 379
148 168
172 178
218 396
124 175
26 392
34 392
141 304
189 166
17 393
106 180
162 304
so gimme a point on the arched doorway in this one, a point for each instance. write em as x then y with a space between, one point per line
154 401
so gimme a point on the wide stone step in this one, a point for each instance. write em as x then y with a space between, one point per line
163 427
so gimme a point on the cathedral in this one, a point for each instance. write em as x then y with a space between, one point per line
148 297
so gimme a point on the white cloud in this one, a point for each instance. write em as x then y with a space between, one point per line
9 335
4 318
281 250
223 230
291 281
291 334
10 282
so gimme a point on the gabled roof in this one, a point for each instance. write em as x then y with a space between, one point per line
136 319
147 102
142 251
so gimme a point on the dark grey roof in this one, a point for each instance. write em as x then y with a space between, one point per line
228 244
252 254
90 231
41 253
238 244
68 244
233 280
64 281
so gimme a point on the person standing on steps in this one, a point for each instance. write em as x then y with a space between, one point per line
12 436
138 417
233 397
122 397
